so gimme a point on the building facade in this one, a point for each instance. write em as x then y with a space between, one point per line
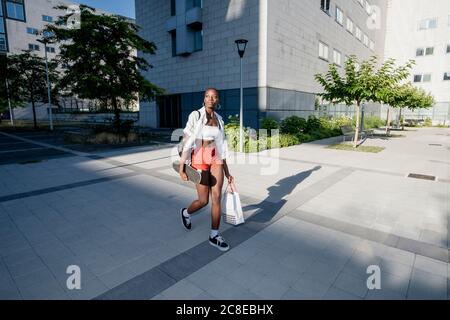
289 42
420 31
21 25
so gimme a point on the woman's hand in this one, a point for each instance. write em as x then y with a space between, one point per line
230 179
183 174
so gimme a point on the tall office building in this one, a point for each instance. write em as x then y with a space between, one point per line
420 30
21 25
289 42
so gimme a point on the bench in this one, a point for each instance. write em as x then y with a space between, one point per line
348 131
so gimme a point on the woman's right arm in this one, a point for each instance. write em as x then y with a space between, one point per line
188 130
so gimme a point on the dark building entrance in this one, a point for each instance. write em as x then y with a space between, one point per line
169 111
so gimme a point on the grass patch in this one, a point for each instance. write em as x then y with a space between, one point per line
349 147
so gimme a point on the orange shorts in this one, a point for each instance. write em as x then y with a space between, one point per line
205 157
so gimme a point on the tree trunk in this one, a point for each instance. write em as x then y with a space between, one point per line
388 120
358 120
34 111
116 115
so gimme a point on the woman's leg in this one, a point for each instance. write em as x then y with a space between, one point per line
202 201
216 194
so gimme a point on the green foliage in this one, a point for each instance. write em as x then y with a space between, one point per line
26 76
363 82
313 124
269 124
293 125
101 60
373 122
427 122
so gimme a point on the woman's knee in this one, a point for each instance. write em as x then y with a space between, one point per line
203 202
215 198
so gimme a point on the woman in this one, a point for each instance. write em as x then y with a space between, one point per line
207 145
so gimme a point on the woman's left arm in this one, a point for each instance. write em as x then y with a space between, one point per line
227 171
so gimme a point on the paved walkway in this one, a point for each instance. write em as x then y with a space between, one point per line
313 225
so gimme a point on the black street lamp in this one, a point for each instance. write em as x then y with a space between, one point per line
46 41
241 45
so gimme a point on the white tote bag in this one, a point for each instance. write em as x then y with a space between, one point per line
231 206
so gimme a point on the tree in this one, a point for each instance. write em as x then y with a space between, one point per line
415 98
100 61
358 85
362 84
27 80
389 91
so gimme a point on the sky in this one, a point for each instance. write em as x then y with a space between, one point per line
122 7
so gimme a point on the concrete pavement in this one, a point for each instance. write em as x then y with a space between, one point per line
313 226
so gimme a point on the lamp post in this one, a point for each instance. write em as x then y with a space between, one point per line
11 114
45 41
241 45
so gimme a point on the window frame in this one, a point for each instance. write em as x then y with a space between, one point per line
325 6
36 31
358 33
446 76
335 54
15 3
34 47
341 21
323 46
425 24
350 22
426 74
46 16
200 48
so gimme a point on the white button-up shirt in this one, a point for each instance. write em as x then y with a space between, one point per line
194 128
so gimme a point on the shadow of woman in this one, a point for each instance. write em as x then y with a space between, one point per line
274 202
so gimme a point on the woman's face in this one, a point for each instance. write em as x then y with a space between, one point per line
211 99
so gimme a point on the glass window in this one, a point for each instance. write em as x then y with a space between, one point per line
1 10
350 25
198 40
51 49
323 51
447 76
429 51
419 52
173 36
47 18
428 24
2 26
2 42
48 34
325 5
15 9
339 16
418 78
358 33
426 77
173 8
33 31
448 48
33 47
337 57
366 40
